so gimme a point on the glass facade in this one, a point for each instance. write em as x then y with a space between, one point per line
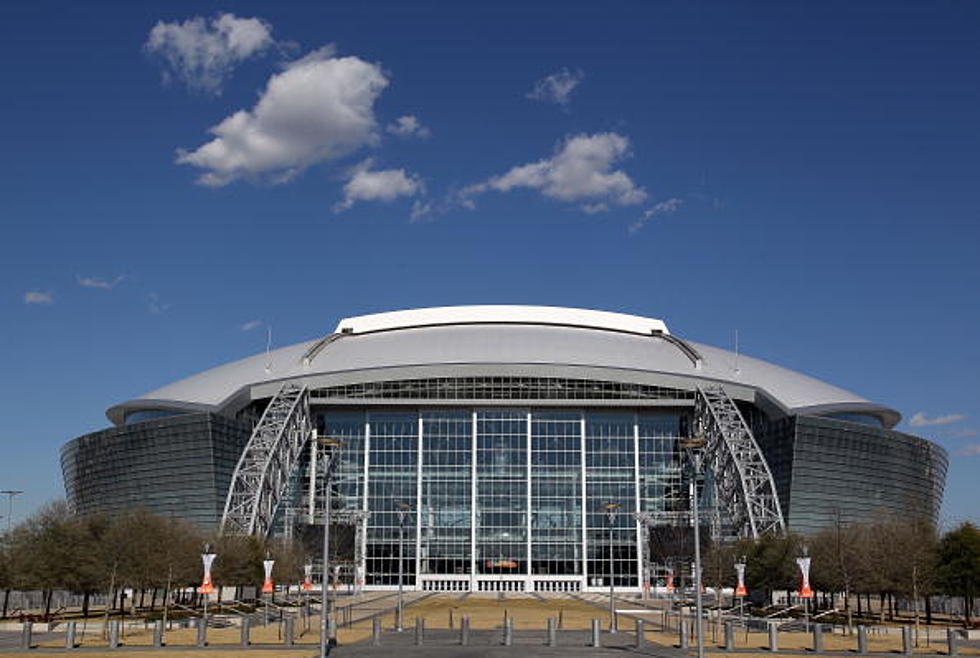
175 466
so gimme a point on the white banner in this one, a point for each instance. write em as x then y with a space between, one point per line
805 591
267 585
740 570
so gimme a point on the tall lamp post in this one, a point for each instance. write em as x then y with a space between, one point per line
611 510
327 446
403 510
10 493
693 448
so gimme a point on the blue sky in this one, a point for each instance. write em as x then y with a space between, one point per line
800 172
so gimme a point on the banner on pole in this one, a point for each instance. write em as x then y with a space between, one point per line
207 587
670 581
267 587
307 577
740 591
805 591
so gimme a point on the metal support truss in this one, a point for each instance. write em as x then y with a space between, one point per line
261 478
742 478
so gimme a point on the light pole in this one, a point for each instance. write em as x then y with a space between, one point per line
693 447
403 510
327 446
611 510
10 493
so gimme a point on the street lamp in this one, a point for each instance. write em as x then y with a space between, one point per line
403 510
10 493
693 448
327 445
611 511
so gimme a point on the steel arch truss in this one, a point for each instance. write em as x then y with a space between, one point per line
261 478
744 483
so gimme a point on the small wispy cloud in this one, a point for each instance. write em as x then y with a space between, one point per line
556 88
969 451
38 297
97 282
408 126
662 208
251 324
921 420
384 185
154 305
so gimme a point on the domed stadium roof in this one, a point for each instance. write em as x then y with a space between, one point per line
524 341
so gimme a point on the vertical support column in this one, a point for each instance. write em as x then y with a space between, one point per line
585 524
311 503
527 571
418 506
641 576
363 526
473 573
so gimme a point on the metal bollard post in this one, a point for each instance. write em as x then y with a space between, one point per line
773 639
508 631
464 630
907 640
202 632
332 632
682 632
288 633
640 634
114 634
952 645
596 626
729 636
419 631
158 634
26 635
817 638
376 632
246 631
70 635
552 632
862 640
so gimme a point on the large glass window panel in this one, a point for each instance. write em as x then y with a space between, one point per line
501 491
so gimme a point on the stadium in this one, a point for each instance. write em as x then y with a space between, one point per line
504 448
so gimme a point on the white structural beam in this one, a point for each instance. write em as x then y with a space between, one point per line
261 478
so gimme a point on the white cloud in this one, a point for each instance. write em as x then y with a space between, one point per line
319 108
251 324
408 126
203 53
384 185
557 87
580 170
38 297
921 420
154 305
661 208
969 451
96 282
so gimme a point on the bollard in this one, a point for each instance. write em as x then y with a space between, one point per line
682 631
114 634
289 628
862 640
817 638
464 631
951 643
202 632
907 640
640 634
773 640
70 635
332 632
552 632
729 636
596 640
376 632
246 631
26 635
451 619
158 634
508 631
419 631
